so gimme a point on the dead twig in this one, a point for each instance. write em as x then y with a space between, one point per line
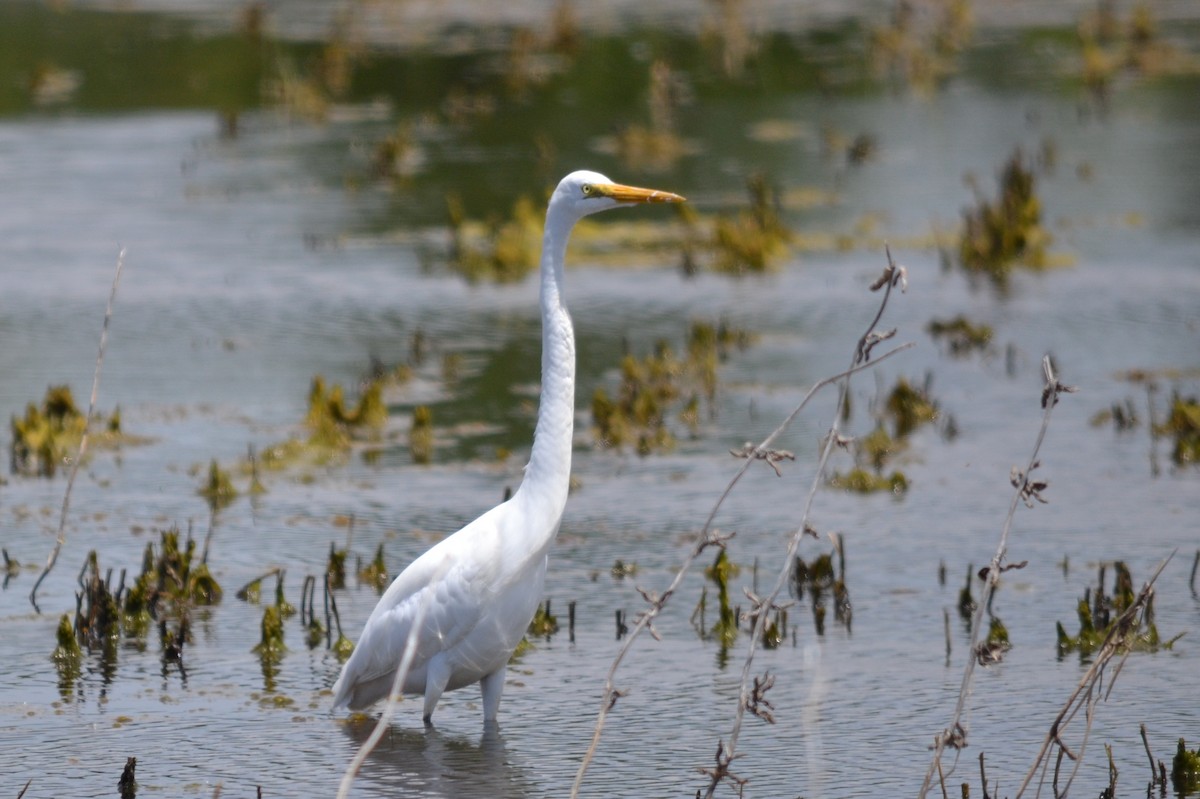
83 441
1026 491
1087 693
894 275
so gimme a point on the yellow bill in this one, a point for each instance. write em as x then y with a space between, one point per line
633 194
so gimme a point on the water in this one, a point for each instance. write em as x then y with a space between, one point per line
257 261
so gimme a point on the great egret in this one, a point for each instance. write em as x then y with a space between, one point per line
476 591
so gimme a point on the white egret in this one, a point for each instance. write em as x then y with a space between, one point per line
479 587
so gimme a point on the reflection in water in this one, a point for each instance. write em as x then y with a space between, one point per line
428 763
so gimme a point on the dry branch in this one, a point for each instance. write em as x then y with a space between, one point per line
83 441
893 276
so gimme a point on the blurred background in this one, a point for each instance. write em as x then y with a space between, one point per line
324 356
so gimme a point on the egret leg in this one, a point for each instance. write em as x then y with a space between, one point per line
437 674
492 686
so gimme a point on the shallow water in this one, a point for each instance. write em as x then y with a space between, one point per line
257 261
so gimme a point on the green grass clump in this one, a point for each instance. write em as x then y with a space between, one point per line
999 234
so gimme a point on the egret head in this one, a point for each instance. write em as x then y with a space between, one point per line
583 192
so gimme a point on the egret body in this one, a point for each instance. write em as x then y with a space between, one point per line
476 591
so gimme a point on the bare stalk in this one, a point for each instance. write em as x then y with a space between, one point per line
707 537
83 441
1088 692
1027 490
893 275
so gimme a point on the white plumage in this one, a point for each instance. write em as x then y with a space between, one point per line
476 591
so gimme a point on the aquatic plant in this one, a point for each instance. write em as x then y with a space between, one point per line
218 487
1183 426
909 407
995 645
335 568
331 423
919 45
657 146
500 250
49 433
1122 416
861 481
67 657
1099 613
1185 770
999 234
819 579
650 387
420 435
374 573
620 569
966 601
752 239
872 454
270 646
543 623
725 629
398 155
961 335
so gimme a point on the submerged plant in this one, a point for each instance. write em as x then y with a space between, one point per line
998 234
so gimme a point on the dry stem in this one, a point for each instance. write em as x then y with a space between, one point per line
83 441
954 735
706 538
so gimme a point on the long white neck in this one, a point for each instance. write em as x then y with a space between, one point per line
548 474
